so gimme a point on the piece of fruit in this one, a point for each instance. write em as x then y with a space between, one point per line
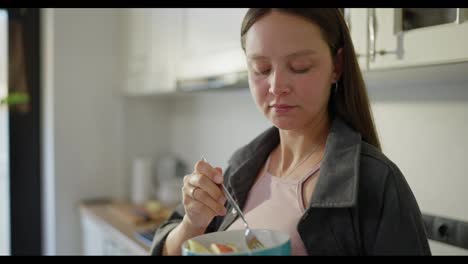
153 206
222 248
234 248
197 247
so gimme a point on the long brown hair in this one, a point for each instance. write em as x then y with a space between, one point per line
349 100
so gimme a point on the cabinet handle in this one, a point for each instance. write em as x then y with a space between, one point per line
372 30
462 15
372 33
372 27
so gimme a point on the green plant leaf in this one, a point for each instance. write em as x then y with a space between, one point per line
15 99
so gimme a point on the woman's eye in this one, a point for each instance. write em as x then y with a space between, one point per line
300 70
261 71
301 66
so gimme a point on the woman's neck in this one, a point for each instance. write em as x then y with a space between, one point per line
295 145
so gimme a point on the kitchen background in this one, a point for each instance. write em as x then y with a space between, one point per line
125 85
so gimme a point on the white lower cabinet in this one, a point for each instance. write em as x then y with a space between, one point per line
100 238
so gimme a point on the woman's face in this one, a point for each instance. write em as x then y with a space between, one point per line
290 69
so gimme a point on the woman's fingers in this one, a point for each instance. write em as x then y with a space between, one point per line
203 167
207 185
195 193
193 205
203 196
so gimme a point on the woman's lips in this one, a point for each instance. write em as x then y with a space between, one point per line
282 108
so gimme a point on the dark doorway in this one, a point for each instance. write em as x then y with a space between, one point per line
25 167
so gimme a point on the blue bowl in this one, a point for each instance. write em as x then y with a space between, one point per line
276 243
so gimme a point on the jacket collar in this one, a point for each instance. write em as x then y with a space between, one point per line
338 182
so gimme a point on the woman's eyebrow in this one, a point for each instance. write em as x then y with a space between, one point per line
300 53
256 57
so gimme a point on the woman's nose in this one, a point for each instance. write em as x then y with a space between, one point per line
279 84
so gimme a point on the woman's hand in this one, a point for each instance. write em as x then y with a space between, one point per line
203 197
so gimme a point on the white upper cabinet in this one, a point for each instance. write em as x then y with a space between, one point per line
356 19
167 45
211 42
136 42
401 37
153 45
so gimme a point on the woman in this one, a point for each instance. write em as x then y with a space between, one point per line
320 164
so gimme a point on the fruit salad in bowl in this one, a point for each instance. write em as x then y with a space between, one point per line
232 242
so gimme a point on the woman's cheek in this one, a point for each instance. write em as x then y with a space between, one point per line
260 87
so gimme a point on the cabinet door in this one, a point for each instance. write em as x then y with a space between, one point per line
417 36
164 46
211 42
153 42
356 19
137 23
92 235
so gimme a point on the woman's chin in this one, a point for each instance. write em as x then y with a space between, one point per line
285 124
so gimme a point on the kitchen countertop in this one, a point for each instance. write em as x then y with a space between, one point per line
121 220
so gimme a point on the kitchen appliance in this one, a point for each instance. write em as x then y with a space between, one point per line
170 171
142 180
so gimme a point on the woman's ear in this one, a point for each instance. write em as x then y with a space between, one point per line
338 65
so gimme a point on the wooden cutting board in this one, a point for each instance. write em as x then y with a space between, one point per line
137 214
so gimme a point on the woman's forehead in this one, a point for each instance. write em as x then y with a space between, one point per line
282 33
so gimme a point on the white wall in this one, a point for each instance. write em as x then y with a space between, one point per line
214 125
420 115
428 142
82 117
421 118
146 127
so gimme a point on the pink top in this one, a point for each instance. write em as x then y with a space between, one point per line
278 204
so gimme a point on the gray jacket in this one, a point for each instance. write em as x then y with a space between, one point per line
361 205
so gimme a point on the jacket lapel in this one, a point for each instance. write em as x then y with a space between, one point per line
338 181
